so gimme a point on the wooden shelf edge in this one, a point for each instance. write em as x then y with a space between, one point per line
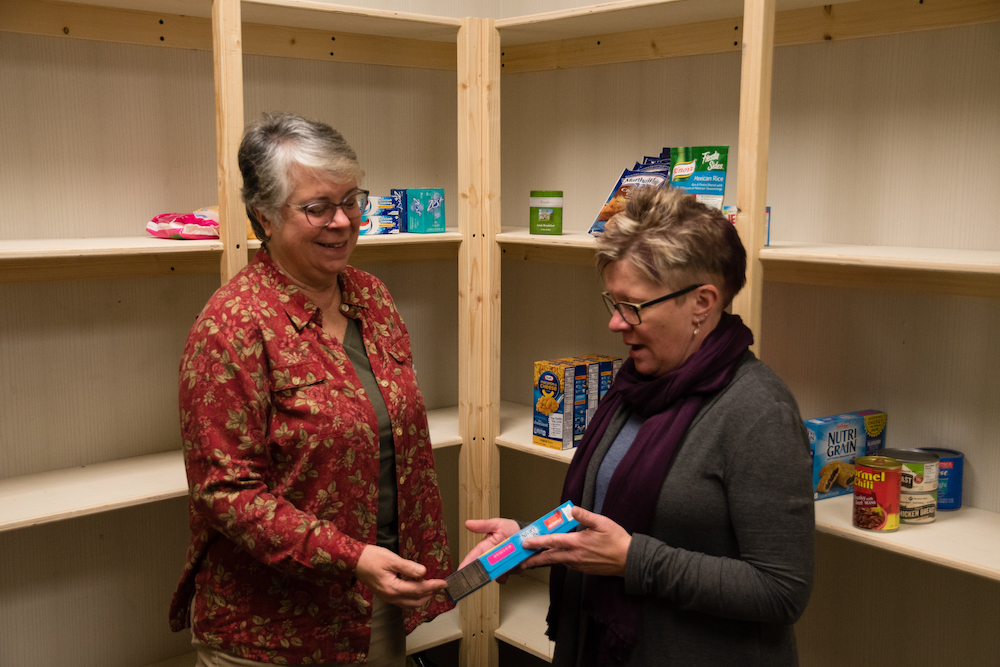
575 248
618 32
285 28
882 273
443 424
68 493
443 629
48 260
976 530
524 604
515 433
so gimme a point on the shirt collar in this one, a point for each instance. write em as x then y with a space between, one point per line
297 306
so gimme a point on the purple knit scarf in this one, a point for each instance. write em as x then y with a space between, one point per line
668 404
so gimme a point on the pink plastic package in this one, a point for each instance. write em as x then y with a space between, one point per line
201 224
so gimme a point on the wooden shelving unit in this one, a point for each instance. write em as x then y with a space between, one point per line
616 79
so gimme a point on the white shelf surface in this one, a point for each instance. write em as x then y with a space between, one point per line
450 235
443 423
56 495
967 539
102 247
441 630
515 433
624 16
568 239
524 603
893 257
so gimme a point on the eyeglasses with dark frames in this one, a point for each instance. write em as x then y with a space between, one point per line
630 311
322 213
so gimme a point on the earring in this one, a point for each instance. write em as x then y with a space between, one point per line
697 326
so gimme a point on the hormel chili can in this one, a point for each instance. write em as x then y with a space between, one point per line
876 493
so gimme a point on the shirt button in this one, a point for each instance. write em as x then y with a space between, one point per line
402 479
384 383
399 431
344 307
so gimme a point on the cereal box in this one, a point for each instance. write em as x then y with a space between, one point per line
560 402
835 443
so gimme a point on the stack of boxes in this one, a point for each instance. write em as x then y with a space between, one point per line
414 210
567 392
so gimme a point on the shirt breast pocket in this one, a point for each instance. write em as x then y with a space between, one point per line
400 351
301 392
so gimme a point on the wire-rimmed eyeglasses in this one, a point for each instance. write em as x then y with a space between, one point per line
630 311
321 213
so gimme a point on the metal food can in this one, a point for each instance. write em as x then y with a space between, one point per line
949 477
876 493
917 507
920 469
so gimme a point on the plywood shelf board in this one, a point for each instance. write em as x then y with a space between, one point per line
342 18
443 629
450 236
102 247
967 539
66 493
973 273
71 492
568 239
924 259
311 30
515 433
624 16
524 603
642 30
46 260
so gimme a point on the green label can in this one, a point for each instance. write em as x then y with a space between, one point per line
545 212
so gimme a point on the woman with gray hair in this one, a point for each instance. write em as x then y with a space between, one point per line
317 533
693 480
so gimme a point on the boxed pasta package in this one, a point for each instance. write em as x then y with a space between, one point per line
835 442
560 405
567 392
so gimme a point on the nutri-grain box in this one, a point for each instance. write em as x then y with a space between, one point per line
835 443
560 405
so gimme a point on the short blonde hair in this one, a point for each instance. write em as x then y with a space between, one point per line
668 236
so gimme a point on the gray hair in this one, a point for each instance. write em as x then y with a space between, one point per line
669 237
273 146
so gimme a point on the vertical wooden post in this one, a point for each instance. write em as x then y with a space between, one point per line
227 47
751 172
479 313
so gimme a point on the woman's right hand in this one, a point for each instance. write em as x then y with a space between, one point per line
496 531
394 579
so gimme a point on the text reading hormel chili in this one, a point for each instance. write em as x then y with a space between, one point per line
876 493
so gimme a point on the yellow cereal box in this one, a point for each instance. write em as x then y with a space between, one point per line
560 406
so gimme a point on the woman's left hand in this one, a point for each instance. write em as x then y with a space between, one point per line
600 549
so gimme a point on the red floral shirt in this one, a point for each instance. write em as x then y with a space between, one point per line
282 455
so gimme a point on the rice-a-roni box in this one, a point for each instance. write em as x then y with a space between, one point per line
560 405
835 442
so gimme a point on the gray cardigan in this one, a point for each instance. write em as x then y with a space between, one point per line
728 565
